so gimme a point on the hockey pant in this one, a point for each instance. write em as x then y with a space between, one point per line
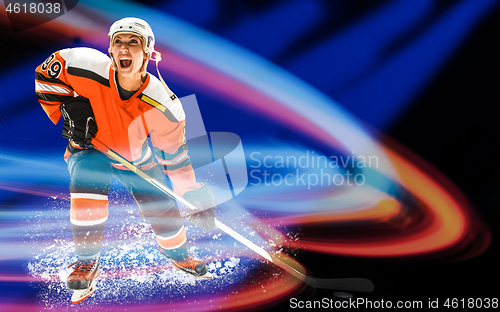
91 173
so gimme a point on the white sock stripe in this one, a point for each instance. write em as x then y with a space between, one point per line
172 236
89 222
89 196
175 247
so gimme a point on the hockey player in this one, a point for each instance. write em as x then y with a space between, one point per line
114 100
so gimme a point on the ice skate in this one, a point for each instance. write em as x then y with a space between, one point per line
190 266
81 294
82 280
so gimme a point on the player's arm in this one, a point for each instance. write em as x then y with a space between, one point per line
57 97
172 155
52 86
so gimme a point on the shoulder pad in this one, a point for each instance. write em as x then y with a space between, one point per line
87 59
156 95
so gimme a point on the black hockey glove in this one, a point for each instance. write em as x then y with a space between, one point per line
204 200
79 121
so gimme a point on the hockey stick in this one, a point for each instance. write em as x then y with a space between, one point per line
348 284
162 187
283 261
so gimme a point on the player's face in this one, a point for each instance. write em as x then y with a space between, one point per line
128 54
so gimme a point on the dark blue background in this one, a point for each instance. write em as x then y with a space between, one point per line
388 62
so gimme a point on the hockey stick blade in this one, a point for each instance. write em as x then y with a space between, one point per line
347 284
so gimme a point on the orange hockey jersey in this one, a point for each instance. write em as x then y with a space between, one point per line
122 125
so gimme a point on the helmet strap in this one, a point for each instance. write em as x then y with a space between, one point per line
157 59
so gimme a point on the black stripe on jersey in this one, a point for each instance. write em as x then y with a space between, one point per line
166 156
157 105
184 163
42 78
79 72
53 97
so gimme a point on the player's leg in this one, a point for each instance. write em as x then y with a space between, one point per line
165 218
90 173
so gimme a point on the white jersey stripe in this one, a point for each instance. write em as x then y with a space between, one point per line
177 159
40 86
143 159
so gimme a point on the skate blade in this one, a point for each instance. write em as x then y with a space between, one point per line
207 275
82 294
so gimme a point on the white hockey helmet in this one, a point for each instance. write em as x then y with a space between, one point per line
137 26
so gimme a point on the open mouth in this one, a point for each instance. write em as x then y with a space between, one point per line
125 63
